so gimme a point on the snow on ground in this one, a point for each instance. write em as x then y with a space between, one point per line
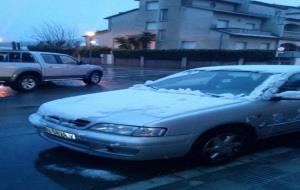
86 172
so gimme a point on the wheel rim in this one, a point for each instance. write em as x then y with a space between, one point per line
223 147
28 83
95 78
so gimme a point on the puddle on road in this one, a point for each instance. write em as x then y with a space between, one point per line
72 83
85 172
75 170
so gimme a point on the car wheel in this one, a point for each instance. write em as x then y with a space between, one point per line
220 146
94 78
26 83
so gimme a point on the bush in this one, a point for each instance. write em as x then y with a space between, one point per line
82 51
197 55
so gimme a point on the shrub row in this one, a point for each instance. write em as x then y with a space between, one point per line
197 55
82 51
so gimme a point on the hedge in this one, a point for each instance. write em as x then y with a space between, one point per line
198 55
82 51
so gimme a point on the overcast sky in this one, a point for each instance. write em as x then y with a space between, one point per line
18 17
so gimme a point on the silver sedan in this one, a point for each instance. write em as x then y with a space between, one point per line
211 112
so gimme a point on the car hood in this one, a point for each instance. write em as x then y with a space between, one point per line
130 106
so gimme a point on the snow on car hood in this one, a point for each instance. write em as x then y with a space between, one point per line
130 106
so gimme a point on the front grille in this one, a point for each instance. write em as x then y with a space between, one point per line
80 123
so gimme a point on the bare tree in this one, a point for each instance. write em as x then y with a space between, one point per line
55 35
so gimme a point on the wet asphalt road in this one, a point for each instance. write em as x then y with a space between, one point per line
29 162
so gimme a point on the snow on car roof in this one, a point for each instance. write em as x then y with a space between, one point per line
257 68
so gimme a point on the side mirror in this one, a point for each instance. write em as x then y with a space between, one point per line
288 95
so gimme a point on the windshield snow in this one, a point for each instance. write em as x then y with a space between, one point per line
238 83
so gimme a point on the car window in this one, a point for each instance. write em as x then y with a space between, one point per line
27 58
293 84
67 60
50 59
4 56
15 57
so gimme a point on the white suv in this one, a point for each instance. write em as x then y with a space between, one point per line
25 70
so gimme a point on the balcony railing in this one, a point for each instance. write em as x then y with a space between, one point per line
234 1
245 31
291 35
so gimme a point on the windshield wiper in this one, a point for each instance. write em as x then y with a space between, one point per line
214 95
152 87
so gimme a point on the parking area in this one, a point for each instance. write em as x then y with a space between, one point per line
29 161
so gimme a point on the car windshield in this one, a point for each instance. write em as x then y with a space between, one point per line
216 83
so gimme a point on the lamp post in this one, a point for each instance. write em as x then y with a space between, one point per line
280 51
89 41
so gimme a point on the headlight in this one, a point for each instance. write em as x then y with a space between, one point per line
130 130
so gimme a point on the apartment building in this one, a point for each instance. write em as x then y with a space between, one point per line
208 24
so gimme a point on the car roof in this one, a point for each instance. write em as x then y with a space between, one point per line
257 68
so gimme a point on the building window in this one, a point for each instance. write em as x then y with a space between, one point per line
213 5
163 15
250 26
188 45
151 26
240 45
222 23
152 5
161 36
278 13
265 46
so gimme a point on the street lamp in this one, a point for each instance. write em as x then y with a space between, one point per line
280 51
89 40
1 40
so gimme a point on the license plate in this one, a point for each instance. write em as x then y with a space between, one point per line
61 134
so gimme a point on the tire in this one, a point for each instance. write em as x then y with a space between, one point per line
94 78
221 145
26 83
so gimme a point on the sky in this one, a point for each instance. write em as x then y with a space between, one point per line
19 17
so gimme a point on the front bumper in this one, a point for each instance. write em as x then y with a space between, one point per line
116 146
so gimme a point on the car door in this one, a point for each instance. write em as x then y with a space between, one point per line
72 68
52 67
283 116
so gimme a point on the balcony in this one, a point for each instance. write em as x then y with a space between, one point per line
234 1
246 32
291 35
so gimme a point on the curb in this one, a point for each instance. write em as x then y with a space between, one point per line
188 174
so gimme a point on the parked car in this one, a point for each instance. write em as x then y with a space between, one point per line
25 70
211 112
